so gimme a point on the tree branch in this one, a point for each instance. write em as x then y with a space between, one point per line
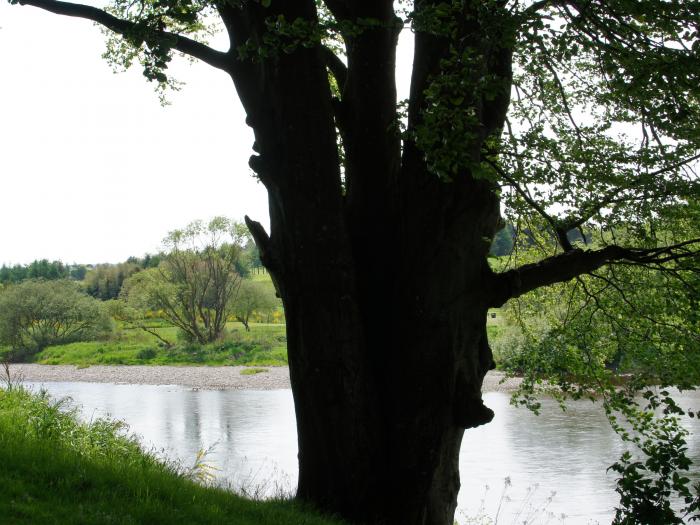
566 266
614 196
183 44
557 228
340 8
540 5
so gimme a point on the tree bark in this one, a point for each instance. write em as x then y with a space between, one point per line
380 427
386 356
383 273
386 335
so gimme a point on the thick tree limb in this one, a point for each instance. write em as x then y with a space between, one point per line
260 236
428 51
183 44
566 266
340 8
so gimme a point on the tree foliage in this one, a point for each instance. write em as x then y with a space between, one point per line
253 297
104 281
35 314
196 280
145 262
132 315
649 484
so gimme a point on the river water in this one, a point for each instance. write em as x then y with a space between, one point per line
555 463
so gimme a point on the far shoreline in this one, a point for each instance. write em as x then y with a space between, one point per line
199 377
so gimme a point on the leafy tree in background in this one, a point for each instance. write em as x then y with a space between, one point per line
77 272
35 314
251 257
104 281
383 206
503 241
43 269
12 274
253 297
196 282
145 262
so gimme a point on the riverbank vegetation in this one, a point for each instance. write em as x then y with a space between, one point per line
203 300
58 470
263 345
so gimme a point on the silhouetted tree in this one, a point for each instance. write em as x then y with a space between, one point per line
383 206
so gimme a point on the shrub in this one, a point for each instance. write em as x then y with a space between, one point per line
509 349
36 314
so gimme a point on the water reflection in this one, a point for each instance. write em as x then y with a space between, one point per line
567 452
252 440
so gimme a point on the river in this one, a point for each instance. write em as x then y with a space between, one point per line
555 462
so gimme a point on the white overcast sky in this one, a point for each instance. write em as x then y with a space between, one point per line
92 168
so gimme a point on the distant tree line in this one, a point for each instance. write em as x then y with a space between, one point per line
104 281
42 269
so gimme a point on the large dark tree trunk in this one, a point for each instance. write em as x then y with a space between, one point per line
382 395
384 281
381 405
386 335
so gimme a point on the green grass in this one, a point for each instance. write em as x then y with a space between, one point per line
262 277
253 371
264 345
494 331
56 470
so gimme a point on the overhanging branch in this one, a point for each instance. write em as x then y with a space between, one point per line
566 266
183 44
616 196
557 228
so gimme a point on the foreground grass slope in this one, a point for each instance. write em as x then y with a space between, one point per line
56 470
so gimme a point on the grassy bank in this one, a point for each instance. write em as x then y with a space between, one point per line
264 345
59 471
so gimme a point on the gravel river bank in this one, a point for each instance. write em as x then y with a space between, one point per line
203 377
